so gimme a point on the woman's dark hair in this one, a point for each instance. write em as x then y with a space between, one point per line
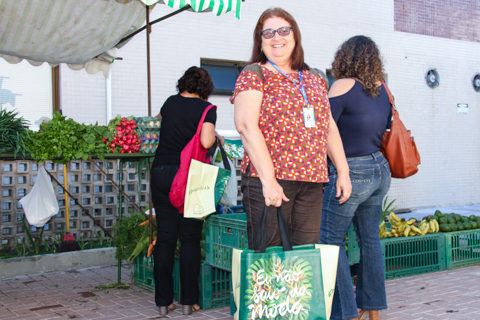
297 58
197 81
359 57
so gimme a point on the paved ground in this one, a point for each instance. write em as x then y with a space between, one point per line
452 294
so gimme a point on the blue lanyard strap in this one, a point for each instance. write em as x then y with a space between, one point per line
301 88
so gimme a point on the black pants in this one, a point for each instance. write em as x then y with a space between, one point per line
303 213
172 226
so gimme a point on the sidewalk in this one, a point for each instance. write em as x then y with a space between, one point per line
451 294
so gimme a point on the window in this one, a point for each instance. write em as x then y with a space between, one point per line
99 164
108 223
20 229
7 192
131 164
131 176
72 201
84 213
98 189
73 213
33 228
61 214
60 178
34 179
85 224
50 166
74 189
110 199
6 205
7 167
7 181
74 177
73 224
97 177
86 177
6 218
59 226
98 200
60 190
144 187
86 166
131 197
86 201
109 188
143 198
22 167
108 177
19 217
97 211
19 205
224 74
34 167
60 167
86 189
21 192
109 211
7 231
109 165
21 179
61 202
130 187
46 226
75 166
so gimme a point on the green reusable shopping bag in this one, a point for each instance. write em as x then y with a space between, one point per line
284 282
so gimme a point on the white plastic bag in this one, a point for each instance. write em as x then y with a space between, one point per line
41 203
229 197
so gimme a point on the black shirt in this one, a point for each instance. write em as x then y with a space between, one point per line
361 120
180 118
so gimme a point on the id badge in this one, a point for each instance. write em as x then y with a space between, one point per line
309 117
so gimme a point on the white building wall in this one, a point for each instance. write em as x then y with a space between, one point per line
448 142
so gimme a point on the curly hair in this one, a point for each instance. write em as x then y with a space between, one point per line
297 58
359 57
197 81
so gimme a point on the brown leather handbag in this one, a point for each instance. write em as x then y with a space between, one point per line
399 147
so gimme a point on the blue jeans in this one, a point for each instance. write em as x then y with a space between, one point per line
370 176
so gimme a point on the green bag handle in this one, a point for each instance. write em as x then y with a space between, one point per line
261 239
224 155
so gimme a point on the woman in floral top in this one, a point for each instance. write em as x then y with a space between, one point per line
283 116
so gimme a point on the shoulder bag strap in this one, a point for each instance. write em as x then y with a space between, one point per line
199 128
261 236
392 101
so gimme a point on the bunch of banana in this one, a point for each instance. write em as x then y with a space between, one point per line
423 228
383 230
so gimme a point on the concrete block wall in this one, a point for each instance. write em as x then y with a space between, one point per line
448 142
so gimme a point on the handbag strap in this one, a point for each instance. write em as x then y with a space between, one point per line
261 239
199 128
391 99
226 164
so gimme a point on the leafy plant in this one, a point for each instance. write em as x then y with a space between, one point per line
386 209
63 140
128 233
13 134
82 243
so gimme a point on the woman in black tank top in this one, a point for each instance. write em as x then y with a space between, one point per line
361 109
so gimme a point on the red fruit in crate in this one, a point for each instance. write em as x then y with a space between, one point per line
124 138
132 122
128 142
124 119
125 147
121 142
134 126
118 128
129 151
122 151
112 145
129 136
135 137
127 131
119 134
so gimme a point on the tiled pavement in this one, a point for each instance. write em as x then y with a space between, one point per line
452 294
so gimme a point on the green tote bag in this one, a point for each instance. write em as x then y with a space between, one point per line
284 282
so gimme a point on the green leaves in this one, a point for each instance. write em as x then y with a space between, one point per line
63 140
12 133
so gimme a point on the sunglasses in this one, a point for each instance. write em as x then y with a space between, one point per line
270 33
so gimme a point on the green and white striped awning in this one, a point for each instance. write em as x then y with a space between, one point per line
81 33
218 7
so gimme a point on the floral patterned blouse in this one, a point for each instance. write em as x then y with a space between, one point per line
298 153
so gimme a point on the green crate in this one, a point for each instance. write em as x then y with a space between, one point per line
462 248
413 255
353 252
223 233
214 283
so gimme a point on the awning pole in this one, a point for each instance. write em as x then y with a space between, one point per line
148 62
